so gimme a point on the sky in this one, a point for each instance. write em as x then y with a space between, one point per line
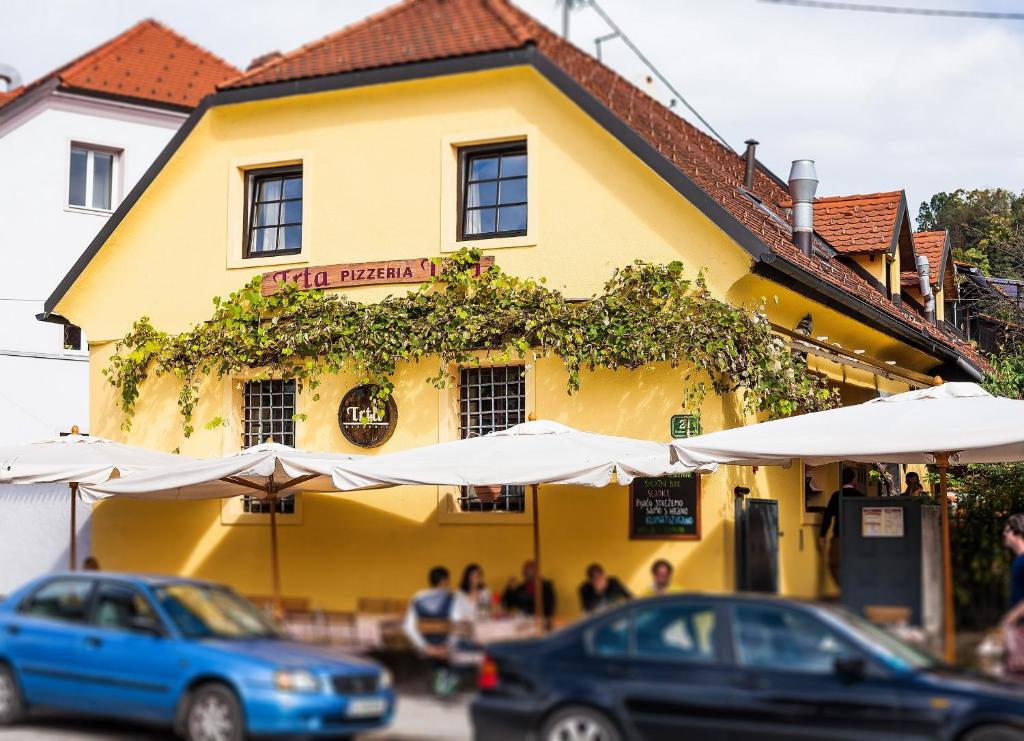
880 102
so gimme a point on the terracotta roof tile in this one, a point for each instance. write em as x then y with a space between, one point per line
858 223
148 62
421 30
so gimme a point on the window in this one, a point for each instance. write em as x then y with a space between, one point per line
91 176
682 632
611 639
492 192
491 399
274 212
269 414
118 607
786 640
67 599
72 337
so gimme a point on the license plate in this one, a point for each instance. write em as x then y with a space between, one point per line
366 707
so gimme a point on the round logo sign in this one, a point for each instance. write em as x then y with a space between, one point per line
366 420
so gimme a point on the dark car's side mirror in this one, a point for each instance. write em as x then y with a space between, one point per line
850 668
147 626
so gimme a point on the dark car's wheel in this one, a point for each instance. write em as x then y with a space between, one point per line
994 733
578 723
214 714
12 706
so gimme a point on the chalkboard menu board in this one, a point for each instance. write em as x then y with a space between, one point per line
665 508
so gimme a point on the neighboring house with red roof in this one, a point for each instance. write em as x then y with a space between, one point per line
436 125
73 143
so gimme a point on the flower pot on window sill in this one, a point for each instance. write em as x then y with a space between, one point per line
487 493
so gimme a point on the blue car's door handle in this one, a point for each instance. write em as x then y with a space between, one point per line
93 642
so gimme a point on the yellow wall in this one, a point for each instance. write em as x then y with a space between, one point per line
373 161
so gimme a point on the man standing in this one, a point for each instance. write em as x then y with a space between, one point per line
831 520
431 623
1013 538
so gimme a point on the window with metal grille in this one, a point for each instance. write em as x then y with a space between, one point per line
268 414
274 212
492 193
491 399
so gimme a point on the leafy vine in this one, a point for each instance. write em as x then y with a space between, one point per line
646 314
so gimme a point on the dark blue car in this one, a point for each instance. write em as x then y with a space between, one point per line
184 653
729 667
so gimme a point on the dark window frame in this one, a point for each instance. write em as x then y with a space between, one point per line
252 178
512 499
285 504
102 584
477 151
72 337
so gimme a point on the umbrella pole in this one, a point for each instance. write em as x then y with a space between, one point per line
948 628
275 571
73 551
538 582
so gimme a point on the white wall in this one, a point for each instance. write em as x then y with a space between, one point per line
43 387
42 237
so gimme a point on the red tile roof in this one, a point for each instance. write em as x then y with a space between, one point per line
149 62
858 223
932 245
421 30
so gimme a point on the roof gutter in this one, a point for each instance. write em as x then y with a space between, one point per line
780 270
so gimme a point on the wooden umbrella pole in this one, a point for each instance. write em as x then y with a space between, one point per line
275 571
73 551
538 581
948 617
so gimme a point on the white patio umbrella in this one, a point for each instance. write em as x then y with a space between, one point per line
528 454
267 471
77 460
953 422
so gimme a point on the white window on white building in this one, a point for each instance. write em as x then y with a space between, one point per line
92 177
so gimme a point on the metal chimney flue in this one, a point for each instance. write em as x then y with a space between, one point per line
925 284
750 158
803 183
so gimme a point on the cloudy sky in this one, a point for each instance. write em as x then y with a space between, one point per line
881 102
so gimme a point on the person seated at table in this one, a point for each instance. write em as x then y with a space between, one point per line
519 598
600 590
473 592
661 576
436 608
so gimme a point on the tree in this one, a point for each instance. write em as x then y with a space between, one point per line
981 224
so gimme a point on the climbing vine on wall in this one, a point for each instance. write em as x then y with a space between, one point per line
646 314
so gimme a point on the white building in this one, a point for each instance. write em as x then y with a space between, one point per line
72 144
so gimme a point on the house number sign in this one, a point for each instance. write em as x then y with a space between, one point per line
365 420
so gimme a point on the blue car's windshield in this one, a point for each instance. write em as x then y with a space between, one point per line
203 611
895 652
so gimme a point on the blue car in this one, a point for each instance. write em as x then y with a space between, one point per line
188 654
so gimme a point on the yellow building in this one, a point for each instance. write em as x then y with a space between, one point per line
391 141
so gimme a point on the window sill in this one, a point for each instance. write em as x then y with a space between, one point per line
491 243
89 211
295 258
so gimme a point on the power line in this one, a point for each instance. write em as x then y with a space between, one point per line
654 70
896 10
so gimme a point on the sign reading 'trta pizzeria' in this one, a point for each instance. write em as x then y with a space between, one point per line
359 274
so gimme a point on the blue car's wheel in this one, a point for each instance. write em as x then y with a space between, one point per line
214 714
12 706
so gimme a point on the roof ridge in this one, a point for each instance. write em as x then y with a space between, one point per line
860 196
364 22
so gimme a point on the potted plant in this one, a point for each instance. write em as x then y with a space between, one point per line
488 493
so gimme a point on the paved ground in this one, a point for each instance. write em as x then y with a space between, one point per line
419 719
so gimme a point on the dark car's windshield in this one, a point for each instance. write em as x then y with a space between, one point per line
896 653
204 611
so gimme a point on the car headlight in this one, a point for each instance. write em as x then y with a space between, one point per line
386 680
296 680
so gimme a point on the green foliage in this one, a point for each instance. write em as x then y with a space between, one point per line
986 496
984 225
646 314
